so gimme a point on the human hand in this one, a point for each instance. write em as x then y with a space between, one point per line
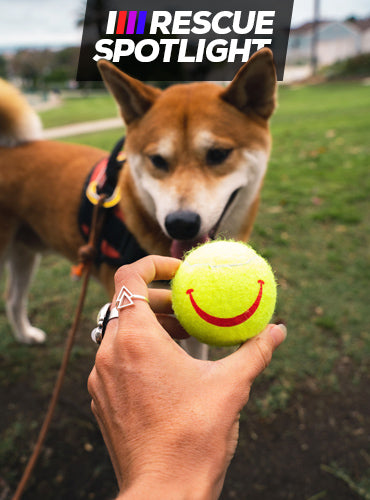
169 421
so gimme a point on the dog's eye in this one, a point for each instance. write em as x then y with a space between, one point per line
159 162
216 156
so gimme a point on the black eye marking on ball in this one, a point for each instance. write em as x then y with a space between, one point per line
235 320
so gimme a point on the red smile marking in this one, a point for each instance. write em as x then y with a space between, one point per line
236 320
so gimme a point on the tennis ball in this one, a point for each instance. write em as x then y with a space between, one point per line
223 293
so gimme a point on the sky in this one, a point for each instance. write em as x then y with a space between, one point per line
48 23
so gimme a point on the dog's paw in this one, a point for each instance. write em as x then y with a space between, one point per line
32 335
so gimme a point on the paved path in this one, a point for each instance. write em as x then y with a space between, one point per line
83 128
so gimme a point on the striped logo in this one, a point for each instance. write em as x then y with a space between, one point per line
126 22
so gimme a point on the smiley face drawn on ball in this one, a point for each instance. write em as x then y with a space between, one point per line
233 321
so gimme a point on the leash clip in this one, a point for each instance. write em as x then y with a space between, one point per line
94 197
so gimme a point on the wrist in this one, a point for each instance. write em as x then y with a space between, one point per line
162 489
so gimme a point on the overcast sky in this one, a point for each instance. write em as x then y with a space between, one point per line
53 22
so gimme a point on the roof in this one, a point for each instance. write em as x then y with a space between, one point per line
307 27
360 24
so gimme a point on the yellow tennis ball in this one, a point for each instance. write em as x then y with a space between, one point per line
224 293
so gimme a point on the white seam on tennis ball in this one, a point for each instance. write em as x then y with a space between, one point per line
215 266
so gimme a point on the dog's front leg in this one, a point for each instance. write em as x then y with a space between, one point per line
106 277
22 263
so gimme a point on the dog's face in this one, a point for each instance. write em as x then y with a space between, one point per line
197 152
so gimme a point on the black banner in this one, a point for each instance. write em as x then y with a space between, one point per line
196 40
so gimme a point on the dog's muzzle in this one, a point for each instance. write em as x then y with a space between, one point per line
183 227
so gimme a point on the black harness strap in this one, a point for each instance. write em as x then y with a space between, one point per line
116 246
113 169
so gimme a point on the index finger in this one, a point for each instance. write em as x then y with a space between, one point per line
135 277
142 272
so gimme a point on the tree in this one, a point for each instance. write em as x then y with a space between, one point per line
32 66
63 65
96 14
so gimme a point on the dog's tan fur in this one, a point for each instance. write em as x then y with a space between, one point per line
41 181
18 121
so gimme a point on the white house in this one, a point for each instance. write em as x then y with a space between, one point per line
335 41
364 26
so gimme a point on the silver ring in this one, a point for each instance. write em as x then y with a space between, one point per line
126 298
104 316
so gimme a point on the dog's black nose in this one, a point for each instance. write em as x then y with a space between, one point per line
183 225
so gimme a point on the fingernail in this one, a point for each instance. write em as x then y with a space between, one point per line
278 333
283 329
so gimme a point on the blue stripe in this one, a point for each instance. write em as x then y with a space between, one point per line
141 22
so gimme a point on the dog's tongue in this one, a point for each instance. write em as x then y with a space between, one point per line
179 247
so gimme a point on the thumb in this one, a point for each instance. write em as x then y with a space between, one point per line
255 355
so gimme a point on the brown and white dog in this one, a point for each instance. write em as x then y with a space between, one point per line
196 157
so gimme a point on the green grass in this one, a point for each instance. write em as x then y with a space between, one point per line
80 109
313 226
105 139
53 299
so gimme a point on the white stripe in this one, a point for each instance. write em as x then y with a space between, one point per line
111 22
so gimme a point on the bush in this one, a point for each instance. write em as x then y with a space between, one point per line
358 66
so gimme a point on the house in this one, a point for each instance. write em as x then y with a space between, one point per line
364 26
335 41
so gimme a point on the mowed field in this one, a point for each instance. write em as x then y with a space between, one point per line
314 227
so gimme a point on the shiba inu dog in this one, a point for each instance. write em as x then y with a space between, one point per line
196 157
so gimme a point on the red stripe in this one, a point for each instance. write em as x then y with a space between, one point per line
98 169
236 320
108 250
121 22
118 213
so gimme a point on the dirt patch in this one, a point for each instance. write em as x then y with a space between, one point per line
288 457
283 457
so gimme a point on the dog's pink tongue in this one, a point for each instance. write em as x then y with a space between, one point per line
179 247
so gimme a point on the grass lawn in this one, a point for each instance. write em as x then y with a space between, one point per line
313 226
105 139
80 109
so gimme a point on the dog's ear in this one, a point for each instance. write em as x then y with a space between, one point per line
254 86
133 97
